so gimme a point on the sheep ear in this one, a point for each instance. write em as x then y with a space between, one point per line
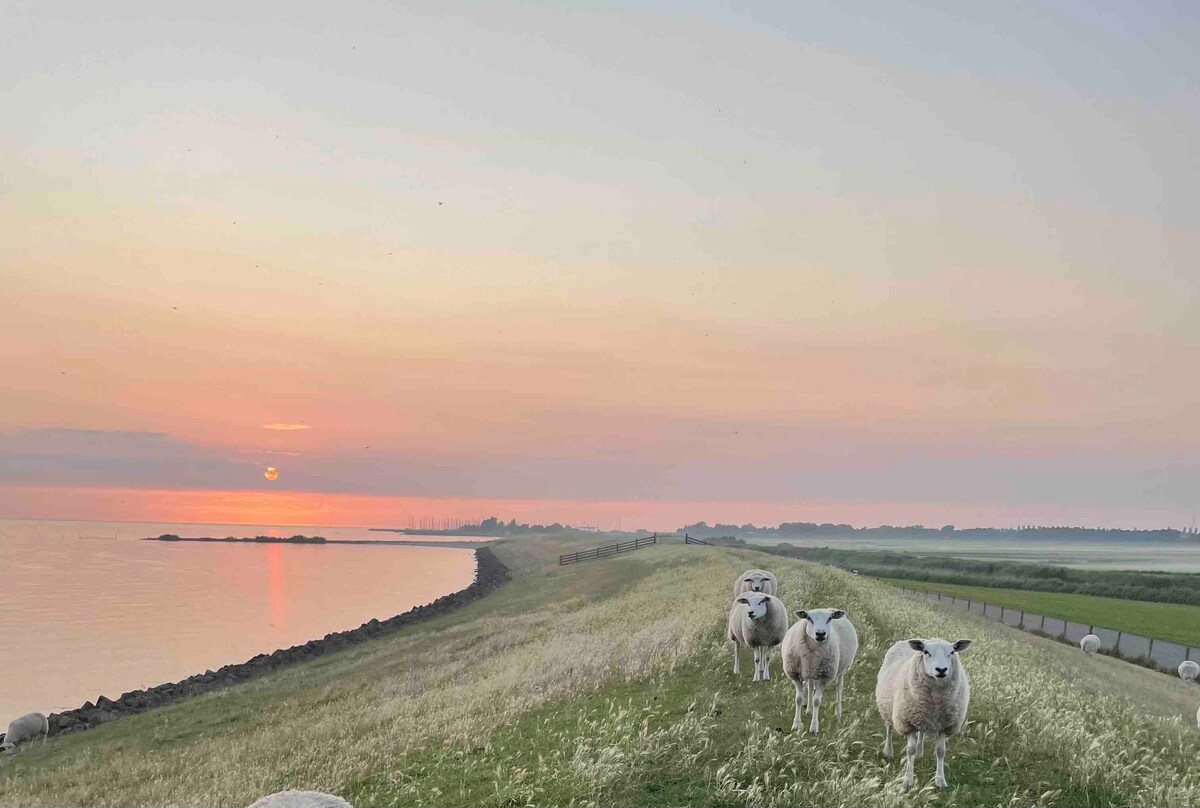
837 613
916 645
743 600
962 645
803 615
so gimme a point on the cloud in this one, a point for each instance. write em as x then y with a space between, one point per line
287 427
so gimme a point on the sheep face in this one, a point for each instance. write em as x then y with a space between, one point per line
938 657
756 582
818 622
756 604
5 746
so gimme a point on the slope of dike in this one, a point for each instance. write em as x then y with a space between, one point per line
609 683
490 573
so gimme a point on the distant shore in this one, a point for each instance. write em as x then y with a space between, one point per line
454 545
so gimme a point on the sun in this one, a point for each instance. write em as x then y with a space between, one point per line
271 473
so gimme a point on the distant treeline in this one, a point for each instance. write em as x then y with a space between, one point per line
1159 587
262 539
799 530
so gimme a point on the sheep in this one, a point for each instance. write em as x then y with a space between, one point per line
760 621
923 690
756 581
26 728
1090 644
818 650
1188 670
301 799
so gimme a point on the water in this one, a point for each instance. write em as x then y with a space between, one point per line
1097 555
86 609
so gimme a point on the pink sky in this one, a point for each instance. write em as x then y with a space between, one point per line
822 277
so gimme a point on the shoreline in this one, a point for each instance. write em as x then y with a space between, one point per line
490 574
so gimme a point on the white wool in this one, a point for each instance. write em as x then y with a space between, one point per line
818 651
301 799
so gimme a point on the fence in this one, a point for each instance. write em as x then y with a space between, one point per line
611 549
689 540
1158 653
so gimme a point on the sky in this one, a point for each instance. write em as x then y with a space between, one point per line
615 263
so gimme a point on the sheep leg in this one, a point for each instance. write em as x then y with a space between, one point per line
799 705
736 669
757 664
887 741
766 660
838 712
814 726
920 745
910 760
808 696
940 779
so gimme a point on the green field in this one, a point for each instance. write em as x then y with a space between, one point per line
608 683
1169 621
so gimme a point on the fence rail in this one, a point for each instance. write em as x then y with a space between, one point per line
608 550
689 540
1152 651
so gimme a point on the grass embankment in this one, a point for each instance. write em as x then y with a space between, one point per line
608 683
1169 621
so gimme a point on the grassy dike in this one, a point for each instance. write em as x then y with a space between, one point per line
607 683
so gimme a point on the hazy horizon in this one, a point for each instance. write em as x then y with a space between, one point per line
606 264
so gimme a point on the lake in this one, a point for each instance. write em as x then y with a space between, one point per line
87 609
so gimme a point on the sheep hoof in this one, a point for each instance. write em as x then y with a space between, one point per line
887 753
906 785
940 782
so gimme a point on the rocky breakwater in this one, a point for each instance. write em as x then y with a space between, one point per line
490 574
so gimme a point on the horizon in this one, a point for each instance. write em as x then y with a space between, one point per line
766 264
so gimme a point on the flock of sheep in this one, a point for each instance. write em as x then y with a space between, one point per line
922 689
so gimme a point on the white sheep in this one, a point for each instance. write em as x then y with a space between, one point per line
817 651
756 581
922 690
300 799
759 621
1188 670
26 728
1090 644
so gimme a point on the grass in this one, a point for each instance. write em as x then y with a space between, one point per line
607 683
1169 621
